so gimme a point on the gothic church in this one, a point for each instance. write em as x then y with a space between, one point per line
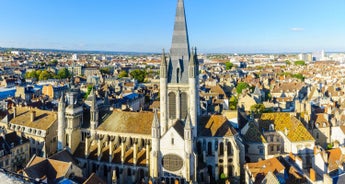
173 144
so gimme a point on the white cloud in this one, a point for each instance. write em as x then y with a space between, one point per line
297 29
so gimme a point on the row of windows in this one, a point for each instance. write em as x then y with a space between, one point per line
25 129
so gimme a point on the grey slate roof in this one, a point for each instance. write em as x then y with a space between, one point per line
179 52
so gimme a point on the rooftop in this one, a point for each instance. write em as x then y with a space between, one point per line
286 123
43 119
128 122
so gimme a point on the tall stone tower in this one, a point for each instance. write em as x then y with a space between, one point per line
174 154
74 120
179 78
94 114
155 152
61 123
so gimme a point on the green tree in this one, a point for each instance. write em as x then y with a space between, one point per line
63 73
288 62
233 103
31 75
122 74
300 63
241 86
105 70
44 75
88 91
53 62
139 75
228 65
257 108
298 76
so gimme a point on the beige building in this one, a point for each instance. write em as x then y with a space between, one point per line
14 151
39 126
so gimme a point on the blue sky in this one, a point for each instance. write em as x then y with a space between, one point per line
146 26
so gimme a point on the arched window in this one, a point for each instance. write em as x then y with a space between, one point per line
229 148
183 105
209 148
221 148
177 75
172 105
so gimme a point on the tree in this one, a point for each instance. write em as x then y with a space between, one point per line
105 70
233 103
63 73
228 65
287 62
257 108
139 75
88 91
53 62
241 86
32 75
45 75
298 76
300 63
122 74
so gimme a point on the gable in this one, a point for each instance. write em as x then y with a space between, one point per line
172 140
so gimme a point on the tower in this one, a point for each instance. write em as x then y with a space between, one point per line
174 136
163 94
74 120
93 113
155 152
61 123
188 147
179 77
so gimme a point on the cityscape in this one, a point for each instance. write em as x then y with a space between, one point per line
172 114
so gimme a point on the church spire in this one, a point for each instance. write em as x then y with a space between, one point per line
163 72
179 52
180 42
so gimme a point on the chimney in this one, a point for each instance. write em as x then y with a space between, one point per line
33 116
312 174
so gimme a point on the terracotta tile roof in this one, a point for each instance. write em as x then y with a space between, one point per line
342 127
49 169
283 122
265 166
215 126
43 119
128 122
320 120
34 160
335 159
155 104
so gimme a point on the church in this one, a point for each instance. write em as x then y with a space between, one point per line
174 143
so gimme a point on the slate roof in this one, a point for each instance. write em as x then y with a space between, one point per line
253 134
94 179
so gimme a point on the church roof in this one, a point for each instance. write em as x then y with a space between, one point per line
179 127
215 126
128 122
